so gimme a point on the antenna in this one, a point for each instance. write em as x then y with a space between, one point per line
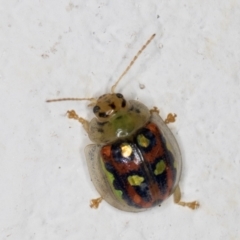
132 62
93 100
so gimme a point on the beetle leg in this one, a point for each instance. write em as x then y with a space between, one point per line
170 118
95 202
72 114
154 109
177 199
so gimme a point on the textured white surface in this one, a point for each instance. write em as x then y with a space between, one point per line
55 48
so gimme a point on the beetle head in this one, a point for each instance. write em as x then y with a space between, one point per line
108 105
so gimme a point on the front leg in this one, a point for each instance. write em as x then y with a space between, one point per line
73 115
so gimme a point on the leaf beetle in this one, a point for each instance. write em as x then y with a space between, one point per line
135 161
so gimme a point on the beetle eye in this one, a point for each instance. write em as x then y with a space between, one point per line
119 95
102 115
96 109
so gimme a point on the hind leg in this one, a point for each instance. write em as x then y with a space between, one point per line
177 199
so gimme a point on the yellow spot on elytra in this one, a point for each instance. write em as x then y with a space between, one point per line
111 178
135 180
126 150
160 167
143 141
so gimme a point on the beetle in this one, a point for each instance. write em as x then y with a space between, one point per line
135 162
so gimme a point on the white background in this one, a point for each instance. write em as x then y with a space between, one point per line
52 49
